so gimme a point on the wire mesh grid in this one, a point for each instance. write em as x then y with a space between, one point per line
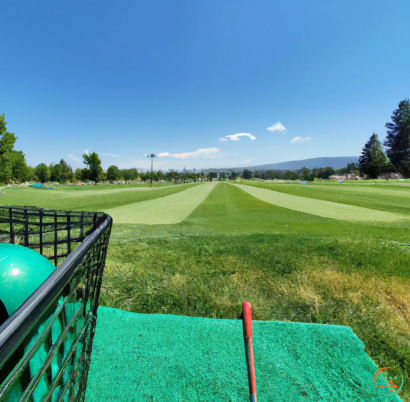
45 347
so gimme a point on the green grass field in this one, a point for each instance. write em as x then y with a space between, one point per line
162 210
291 265
108 186
319 207
87 198
391 198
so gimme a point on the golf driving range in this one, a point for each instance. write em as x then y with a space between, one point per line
325 268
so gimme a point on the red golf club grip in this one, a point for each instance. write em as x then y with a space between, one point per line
247 319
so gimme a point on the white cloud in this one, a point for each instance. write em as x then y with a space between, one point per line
74 158
86 151
277 127
300 139
110 155
202 152
235 137
242 162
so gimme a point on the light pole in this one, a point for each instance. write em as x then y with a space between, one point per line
152 156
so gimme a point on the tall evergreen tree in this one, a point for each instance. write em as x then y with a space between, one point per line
397 142
373 159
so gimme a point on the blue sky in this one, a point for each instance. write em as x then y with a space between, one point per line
128 78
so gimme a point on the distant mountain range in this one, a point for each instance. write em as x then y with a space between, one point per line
335 162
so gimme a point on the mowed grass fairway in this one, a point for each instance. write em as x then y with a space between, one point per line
383 197
315 206
291 265
87 198
171 209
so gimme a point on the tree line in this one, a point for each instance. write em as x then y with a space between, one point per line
393 156
14 168
302 174
375 160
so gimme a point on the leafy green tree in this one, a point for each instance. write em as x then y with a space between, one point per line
77 174
30 173
129 174
113 173
351 167
12 163
54 171
305 174
41 172
19 166
57 173
212 175
85 174
93 162
246 174
50 171
373 159
233 175
7 139
160 175
290 175
193 176
6 167
103 176
133 173
323 173
66 172
397 142
171 175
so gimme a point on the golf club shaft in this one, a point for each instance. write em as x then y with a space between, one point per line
250 359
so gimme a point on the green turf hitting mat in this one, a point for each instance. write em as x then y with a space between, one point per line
168 358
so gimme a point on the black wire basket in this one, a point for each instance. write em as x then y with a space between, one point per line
45 346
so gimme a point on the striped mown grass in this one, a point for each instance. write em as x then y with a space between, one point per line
291 266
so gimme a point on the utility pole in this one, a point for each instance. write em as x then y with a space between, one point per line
152 156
